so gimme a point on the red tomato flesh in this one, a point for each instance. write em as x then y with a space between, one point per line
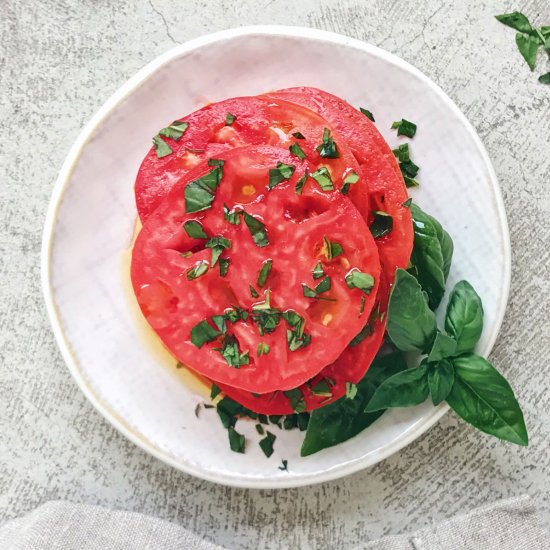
296 225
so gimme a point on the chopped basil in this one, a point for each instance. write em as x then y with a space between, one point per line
263 349
318 271
367 330
199 194
257 230
382 224
323 286
367 113
175 130
407 203
265 304
230 119
410 182
236 440
290 422
296 342
351 390
322 177
216 162
297 151
214 391
409 168
351 179
162 149
362 306
332 249
197 409
219 321
203 333
297 401
260 429
545 78
266 444
321 389
294 320
298 135
266 320
253 292
265 270
280 173
300 183
224 266
231 353
276 419
218 244
232 216
236 314
328 148
284 466
405 127
197 270
194 229
360 280
402 152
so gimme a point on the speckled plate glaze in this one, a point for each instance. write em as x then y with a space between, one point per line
109 349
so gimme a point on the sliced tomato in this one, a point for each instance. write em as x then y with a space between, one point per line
258 121
350 367
385 183
302 230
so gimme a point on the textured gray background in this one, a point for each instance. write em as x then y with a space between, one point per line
59 61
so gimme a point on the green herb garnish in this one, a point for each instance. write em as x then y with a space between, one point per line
199 194
197 270
266 444
351 179
253 292
300 183
203 333
544 78
194 229
323 286
284 466
175 130
332 249
328 148
263 349
407 203
297 151
322 389
360 280
402 152
162 149
351 390
236 440
218 244
318 271
231 353
257 230
224 266
280 173
230 119
322 177
297 401
232 216
367 113
214 391
405 127
362 306
265 270
381 225
298 135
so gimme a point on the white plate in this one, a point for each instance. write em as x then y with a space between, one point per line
118 366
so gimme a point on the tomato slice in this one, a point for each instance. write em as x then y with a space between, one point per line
258 121
350 366
385 183
302 230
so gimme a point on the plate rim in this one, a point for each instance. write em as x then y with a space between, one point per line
62 184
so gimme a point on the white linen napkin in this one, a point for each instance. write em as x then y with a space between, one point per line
507 525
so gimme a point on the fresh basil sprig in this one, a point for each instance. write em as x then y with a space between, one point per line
451 371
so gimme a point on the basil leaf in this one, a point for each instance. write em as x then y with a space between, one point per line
266 319
260 429
232 216
318 271
194 229
381 225
464 317
404 389
203 333
266 444
218 244
199 269
544 78
343 419
224 266
298 135
332 249
367 113
284 467
263 349
431 255
297 151
257 230
175 130
322 389
409 169
360 280
162 149
214 391
411 324
297 401
199 194
410 182
265 270
214 162
405 128
528 46
407 203
228 410
300 183
516 20
236 440
441 377
322 177
230 119
351 179
280 173
482 397
253 292
295 341
444 346
362 306
231 353
328 148
367 330
236 314
219 321
402 152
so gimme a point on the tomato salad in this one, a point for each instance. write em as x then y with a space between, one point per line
273 230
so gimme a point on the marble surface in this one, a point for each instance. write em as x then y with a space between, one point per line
59 61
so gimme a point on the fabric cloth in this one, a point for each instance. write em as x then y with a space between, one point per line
507 525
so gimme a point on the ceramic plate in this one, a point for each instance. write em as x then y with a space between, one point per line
109 349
